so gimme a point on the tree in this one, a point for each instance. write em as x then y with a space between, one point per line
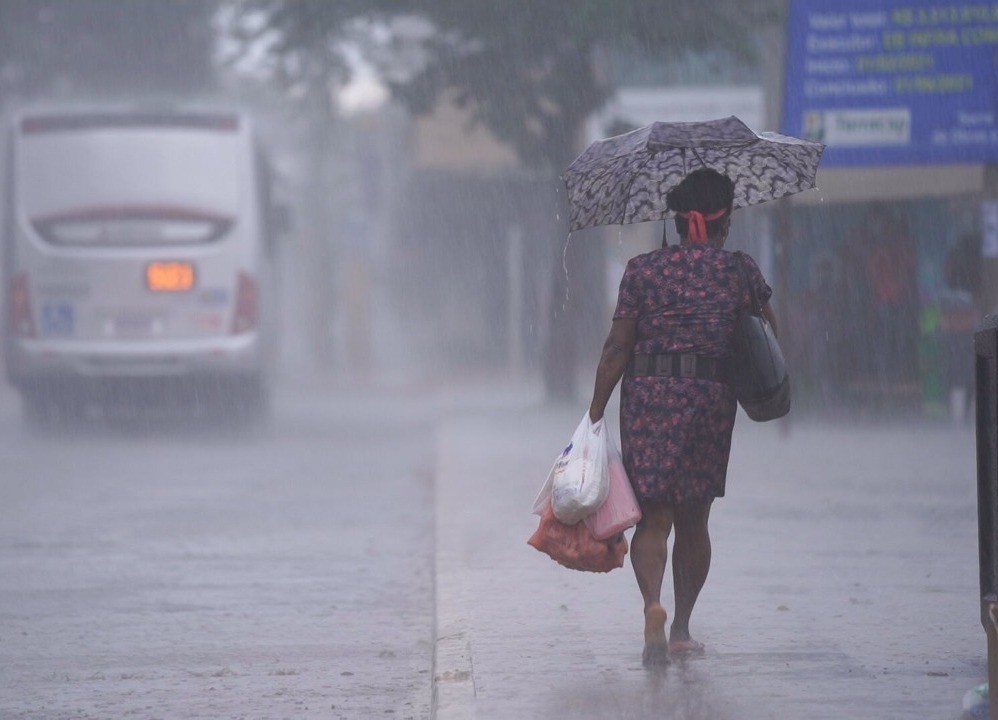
529 70
296 44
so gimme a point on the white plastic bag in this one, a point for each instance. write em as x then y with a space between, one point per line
579 481
544 496
574 445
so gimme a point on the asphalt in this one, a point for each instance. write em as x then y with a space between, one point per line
844 581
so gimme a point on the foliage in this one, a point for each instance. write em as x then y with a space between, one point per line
528 69
296 44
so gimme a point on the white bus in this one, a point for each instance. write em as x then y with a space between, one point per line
138 261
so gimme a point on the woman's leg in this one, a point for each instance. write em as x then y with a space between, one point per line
690 564
648 557
649 552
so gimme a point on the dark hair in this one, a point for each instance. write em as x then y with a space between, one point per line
703 190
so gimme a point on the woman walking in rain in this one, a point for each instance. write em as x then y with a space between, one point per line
672 328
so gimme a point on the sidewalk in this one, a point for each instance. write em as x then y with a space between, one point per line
844 582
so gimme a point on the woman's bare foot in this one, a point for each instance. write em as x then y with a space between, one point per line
688 646
656 650
655 654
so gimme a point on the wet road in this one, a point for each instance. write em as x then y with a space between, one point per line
177 571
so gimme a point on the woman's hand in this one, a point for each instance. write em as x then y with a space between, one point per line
617 352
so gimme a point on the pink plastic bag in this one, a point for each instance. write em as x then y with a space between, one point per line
620 510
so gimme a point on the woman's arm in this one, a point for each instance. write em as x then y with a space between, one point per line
617 351
767 312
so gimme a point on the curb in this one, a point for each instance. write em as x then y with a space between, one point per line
453 678
454 694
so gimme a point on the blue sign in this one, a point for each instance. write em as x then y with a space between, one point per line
889 82
57 319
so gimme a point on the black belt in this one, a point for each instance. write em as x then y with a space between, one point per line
683 365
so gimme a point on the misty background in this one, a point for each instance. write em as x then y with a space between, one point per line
417 146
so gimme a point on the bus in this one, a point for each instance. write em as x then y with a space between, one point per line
138 261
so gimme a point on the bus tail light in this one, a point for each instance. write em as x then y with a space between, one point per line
246 305
22 322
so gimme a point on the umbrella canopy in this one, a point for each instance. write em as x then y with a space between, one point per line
624 179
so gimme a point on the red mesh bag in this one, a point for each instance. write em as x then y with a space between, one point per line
575 547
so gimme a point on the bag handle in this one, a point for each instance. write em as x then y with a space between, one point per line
756 305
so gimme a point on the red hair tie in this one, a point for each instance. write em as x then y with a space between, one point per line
698 223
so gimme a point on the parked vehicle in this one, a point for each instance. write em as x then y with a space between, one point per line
138 258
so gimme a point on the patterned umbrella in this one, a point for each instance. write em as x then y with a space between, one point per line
624 179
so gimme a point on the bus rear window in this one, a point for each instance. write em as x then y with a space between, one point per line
117 226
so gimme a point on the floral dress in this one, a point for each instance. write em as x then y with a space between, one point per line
676 432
